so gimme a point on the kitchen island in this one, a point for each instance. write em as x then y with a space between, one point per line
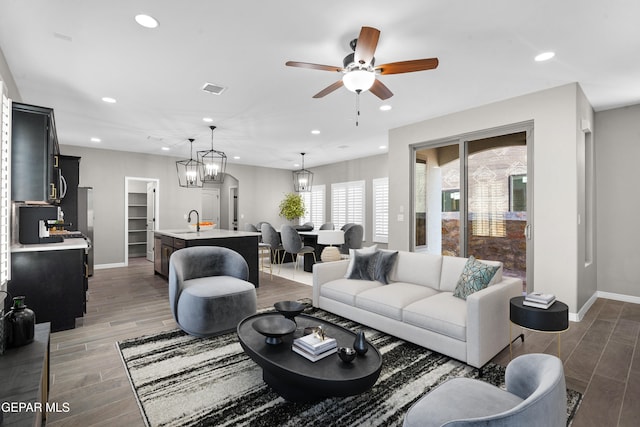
243 242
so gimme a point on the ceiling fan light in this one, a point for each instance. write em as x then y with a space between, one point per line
359 80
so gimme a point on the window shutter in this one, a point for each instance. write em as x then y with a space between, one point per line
347 203
381 210
314 205
5 186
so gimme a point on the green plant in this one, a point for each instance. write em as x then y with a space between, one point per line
292 206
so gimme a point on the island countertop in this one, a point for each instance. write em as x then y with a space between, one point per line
187 234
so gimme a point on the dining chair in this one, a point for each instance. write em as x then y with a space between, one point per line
327 226
264 249
271 237
292 243
353 235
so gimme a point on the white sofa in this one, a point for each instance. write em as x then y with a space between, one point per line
418 304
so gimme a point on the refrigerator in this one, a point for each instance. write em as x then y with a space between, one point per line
85 220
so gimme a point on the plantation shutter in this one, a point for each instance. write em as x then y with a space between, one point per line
5 186
314 205
347 203
381 210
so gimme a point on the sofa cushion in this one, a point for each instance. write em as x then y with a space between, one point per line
391 299
345 290
384 264
475 276
452 269
442 313
419 268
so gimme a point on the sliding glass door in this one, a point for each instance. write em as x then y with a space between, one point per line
483 180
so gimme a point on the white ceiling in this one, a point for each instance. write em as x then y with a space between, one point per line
68 54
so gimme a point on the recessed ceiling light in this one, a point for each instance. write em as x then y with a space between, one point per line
545 56
94 139
207 119
296 165
382 147
109 100
385 107
146 21
315 132
165 148
236 157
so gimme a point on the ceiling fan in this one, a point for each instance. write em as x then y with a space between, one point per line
359 69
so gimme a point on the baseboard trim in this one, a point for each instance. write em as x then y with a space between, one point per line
618 297
577 317
114 265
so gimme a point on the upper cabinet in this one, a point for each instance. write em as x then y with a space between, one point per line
35 172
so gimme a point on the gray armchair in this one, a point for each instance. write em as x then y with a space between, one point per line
208 290
327 226
353 235
535 396
292 243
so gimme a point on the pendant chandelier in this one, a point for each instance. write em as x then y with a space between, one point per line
213 162
189 171
302 179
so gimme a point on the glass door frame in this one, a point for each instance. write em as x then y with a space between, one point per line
462 141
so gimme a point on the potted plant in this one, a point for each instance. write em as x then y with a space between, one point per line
292 206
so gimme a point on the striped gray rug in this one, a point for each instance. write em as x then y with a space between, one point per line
181 380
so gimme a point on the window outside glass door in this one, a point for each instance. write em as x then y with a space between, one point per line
488 188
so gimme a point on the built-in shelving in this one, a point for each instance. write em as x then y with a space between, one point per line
137 224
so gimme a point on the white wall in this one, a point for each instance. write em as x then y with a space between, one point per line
260 192
554 113
7 78
617 136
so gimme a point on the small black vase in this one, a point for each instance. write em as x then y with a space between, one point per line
360 344
19 324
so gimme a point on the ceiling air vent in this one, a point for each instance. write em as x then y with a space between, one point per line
213 88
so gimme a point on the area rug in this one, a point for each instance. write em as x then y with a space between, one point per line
181 380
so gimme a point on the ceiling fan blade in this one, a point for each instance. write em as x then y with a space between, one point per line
408 66
380 90
327 90
312 66
366 45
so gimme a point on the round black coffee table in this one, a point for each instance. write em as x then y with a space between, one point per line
299 380
554 319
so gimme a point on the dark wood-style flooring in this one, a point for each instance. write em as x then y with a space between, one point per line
601 353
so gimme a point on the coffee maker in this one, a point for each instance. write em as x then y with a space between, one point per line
35 221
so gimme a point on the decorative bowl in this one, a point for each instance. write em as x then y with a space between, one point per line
274 328
346 354
289 309
206 225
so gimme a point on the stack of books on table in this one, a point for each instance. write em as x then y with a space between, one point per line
539 300
313 347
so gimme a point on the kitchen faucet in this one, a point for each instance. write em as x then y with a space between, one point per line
197 218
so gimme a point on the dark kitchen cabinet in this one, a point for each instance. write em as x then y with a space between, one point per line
69 181
35 173
54 283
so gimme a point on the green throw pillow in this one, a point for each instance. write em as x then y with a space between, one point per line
475 276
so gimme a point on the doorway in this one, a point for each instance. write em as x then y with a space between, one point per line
141 217
211 204
486 179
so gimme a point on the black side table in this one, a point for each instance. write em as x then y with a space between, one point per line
554 319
